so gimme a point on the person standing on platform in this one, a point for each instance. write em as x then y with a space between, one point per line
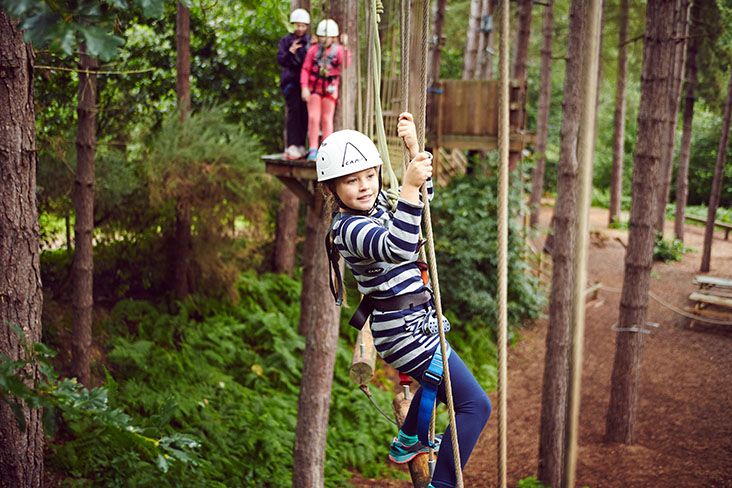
290 55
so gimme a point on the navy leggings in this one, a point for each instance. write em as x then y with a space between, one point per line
472 409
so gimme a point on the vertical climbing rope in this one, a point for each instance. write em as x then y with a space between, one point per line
376 10
584 157
432 260
503 146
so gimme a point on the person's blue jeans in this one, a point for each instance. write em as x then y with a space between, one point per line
472 409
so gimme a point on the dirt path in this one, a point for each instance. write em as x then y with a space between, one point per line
685 420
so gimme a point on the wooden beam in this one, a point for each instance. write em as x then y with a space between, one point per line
364 357
298 188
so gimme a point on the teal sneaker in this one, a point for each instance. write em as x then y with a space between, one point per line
400 453
312 154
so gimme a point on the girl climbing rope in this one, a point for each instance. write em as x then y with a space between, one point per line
319 80
381 249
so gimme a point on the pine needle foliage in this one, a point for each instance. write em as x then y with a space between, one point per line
212 166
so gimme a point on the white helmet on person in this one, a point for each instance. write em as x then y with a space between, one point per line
345 152
327 28
300 15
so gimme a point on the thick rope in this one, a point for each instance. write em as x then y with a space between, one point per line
380 132
584 156
432 260
406 27
502 292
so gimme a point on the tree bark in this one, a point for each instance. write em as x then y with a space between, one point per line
286 233
345 12
682 174
183 239
616 181
471 44
21 299
717 182
437 30
542 117
653 118
681 32
484 63
83 267
319 316
556 361
519 71
319 319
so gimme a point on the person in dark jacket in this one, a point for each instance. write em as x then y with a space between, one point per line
290 56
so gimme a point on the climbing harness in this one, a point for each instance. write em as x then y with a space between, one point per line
319 81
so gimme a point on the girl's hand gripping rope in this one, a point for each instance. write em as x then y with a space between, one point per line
408 132
418 171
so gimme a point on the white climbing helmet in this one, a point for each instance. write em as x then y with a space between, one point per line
327 28
300 15
345 152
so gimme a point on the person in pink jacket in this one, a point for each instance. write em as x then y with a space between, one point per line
319 80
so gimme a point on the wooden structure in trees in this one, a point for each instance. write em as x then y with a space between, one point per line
466 116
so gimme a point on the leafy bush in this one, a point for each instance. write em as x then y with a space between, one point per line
228 376
466 233
668 249
92 430
530 482
601 199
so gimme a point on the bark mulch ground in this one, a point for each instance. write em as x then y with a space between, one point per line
684 429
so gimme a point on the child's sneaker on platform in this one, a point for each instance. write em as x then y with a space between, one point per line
292 153
312 154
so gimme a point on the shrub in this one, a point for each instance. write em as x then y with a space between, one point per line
668 249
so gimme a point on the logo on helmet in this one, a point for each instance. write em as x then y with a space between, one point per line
351 155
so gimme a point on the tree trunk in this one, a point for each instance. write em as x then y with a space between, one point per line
484 63
183 239
681 31
83 267
183 60
21 299
654 114
556 361
519 71
286 233
437 30
616 182
682 174
345 12
319 316
319 319
717 182
471 45
542 117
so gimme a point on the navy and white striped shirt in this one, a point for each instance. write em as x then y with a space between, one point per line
381 250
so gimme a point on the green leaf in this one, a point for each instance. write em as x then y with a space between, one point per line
151 8
162 463
100 43
18 413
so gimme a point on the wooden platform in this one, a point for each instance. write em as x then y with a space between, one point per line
297 175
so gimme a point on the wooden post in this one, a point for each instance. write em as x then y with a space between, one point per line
364 357
418 467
